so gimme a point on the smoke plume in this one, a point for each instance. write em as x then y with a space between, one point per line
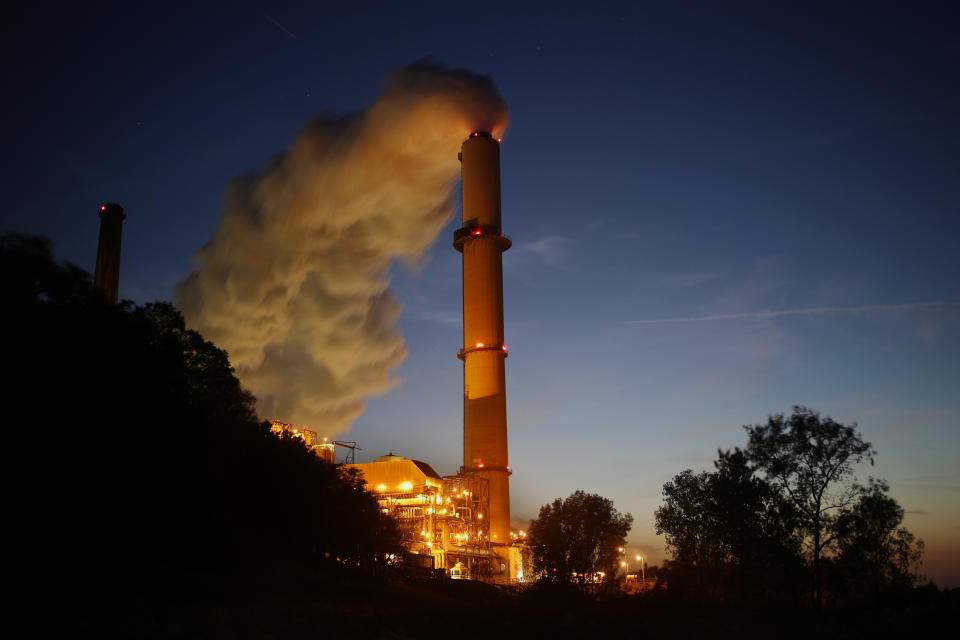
294 282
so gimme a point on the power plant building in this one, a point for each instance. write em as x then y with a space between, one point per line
444 519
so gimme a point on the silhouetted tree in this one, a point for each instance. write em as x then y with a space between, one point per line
874 552
745 524
686 519
138 453
727 529
811 461
581 535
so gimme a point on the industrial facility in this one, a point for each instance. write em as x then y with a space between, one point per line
460 524
325 450
445 519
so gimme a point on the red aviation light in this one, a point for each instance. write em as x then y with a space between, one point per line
475 232
504 347
500 140
103 208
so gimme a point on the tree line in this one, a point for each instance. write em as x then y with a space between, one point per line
135 459
783 518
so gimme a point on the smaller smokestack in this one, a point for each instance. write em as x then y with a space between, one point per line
106 277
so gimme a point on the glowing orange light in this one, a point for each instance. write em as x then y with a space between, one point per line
479 345
480 465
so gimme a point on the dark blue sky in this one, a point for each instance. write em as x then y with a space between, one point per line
661 163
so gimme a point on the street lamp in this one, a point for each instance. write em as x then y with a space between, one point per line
643 571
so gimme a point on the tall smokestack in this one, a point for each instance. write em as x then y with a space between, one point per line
481 241
106 277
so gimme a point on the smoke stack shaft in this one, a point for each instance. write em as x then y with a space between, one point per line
106 277
484 390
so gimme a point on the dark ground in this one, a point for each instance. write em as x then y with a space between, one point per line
362 607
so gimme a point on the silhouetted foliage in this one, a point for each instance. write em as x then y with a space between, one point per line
730 532
142 459
811 461
874 553
579 535
745 528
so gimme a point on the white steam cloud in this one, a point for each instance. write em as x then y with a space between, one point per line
294 282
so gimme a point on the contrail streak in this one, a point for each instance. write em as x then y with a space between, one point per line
279 26
797 312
